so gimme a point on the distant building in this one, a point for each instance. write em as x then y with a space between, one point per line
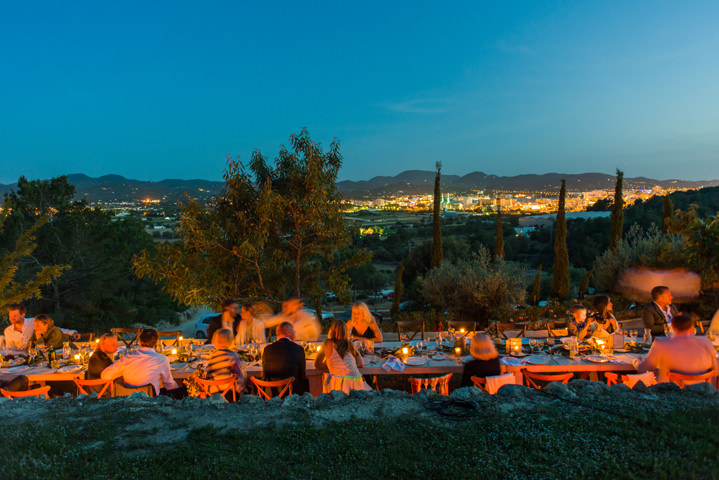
548 220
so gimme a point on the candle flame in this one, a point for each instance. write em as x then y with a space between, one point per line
174 351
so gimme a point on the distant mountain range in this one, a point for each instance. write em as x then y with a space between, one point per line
115 188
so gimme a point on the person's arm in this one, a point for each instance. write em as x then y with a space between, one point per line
166 376
321 360
55 338
358 358
613 322
651 361
116 370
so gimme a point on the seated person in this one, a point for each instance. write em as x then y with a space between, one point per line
14 383
306 326
603 316
284 358
657 315
363 325
251 328
229 319
341 360
102 357
20 330
682 353
485 361
579 326
47 334
223 362
145 367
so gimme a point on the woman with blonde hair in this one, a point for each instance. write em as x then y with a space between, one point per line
485 360
362 325
341 360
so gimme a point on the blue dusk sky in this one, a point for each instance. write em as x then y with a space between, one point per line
154 90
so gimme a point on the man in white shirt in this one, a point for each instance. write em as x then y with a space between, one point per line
20 331
306 326
682 353
145 367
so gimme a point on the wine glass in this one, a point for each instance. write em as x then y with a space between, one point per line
32 352
532 344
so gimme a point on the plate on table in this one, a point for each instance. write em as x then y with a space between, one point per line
596 358
537 359
416 361
439 356
13 362
519 354
70 369
178 365
621 350
18 369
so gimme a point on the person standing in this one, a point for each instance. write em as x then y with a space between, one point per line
657 315
228 319
306 326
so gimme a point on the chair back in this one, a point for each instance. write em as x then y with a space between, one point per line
409 326
683 380
557 328
85 337
35 392
261 385
503 328
438 384
227 383
105 384
123 333
459 325
531 378
176 334
121 389
480 382
703 326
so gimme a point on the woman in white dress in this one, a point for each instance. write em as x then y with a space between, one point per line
341 360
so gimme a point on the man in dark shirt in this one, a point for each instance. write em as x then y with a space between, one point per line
229 319
659 312
101 358
284 359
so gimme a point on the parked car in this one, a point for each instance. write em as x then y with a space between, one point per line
325 315
202 324
347 314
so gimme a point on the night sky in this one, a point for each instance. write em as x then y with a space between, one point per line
154 90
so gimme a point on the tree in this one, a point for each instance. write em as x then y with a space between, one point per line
537 285
499 239
584 284
274 230
667 214
437 222
13 290
615 234
398 287
560 278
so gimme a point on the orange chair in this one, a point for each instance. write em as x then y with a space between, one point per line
174 333
532 378
228 383
681 379
35 392
612 378
262 384
93 383
438 384
480 382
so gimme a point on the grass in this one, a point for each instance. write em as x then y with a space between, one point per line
673 437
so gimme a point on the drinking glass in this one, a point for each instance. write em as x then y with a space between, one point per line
532 344
66 351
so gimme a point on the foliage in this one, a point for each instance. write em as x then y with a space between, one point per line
455 249
667 214
702 252
615 234
537 285
475 289
584 284
398 288
638 248
12 290
275 230
560 277
437 250
499 239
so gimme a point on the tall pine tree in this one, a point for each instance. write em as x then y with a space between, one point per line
560 278
398 287
615 234
667 214
499 239
537 286
437 256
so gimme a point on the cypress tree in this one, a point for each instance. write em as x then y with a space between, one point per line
584 285
560 277
537 287
437 223
615 234
667 214
499 239
398 287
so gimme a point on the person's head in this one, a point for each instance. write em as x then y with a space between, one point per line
230 306
682 324
148 338
246 312
361 313
107 343
338 331
579 312
260 308
43 323
222 338
602 304
482 347
662 296
291 305
285 329
16 313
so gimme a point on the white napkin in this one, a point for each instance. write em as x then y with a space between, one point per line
393 363
512 362
647 378
496 381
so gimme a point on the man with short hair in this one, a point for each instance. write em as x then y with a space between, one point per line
144 367
284 358
21 329
229 319
658 314
682 353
